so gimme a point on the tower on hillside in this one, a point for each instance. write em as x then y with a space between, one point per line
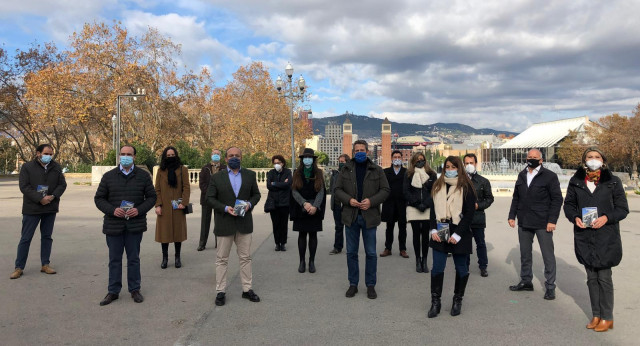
347 138
385 155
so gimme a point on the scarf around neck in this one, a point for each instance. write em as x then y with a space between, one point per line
448 204
420 177
307 171
593 176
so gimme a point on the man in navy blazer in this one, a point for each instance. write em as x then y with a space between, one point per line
536 203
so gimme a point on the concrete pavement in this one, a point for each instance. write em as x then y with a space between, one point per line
295 308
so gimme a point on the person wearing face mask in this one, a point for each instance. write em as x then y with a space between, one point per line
206 172
597 241
279 181
484 199
417 190
336 206
173 190
536 203
129 186
229 191
307 210
394 208
454 203
42 184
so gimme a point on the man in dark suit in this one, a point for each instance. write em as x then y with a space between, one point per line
394 209
206 173
125 195
227 188
536 203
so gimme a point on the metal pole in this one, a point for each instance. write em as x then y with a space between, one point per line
117 146
293 149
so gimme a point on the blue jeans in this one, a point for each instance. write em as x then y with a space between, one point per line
117 245
29 225
481 248
440 262
338 243
353 244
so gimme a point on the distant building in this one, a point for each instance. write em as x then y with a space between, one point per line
544 136
488 141
347 138
314 142
331 142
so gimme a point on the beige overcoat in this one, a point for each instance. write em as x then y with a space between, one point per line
171 226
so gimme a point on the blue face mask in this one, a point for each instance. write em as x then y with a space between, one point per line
215 158
451 174
307 161
361 157
234 163
45 159
126 161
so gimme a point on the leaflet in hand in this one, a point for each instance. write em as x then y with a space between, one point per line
240 207
444 231
589 215
43 189
176 202
126 205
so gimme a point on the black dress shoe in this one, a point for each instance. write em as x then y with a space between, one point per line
522 286
178 262
137 297
108 299
483 273
351 291
371 292
201 247
550 294
312 267
251 296
302 267
220 299
277 247
282 247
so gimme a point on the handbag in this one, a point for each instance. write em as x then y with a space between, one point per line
188 209
269 205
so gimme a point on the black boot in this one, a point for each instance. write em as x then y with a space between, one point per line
312 266
425 268
178 262
418 265
436 293
303 267
458 293
165 259
178 246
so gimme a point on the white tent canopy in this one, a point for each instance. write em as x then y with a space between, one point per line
546 134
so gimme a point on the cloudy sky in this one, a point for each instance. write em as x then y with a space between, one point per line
499 64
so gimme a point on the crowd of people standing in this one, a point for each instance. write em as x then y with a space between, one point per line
446 213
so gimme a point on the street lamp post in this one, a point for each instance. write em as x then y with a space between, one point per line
286 89
137 93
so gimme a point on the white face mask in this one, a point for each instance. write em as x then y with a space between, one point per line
278 167
397 162
594 164
470 168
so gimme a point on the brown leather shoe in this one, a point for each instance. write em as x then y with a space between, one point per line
594 322
385 253
46 269
404 254
603 326
16 274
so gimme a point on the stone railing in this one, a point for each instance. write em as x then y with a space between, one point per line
261 175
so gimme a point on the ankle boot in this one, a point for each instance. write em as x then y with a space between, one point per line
178 262
425 268
418 265
436 293
165 259
458 293
303 267
312 266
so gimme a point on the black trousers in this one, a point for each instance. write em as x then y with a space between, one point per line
205 224
280 222
402 231
420 237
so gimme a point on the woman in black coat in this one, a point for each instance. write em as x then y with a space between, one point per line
417 192
279 181
307 209
597 240
454 203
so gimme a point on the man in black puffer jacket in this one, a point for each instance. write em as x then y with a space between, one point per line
42 184
484 199
125 195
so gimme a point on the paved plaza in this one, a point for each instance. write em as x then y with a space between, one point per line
296 309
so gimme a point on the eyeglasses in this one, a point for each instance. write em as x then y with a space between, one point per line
126 154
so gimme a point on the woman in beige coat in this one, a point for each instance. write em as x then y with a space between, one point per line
173 190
